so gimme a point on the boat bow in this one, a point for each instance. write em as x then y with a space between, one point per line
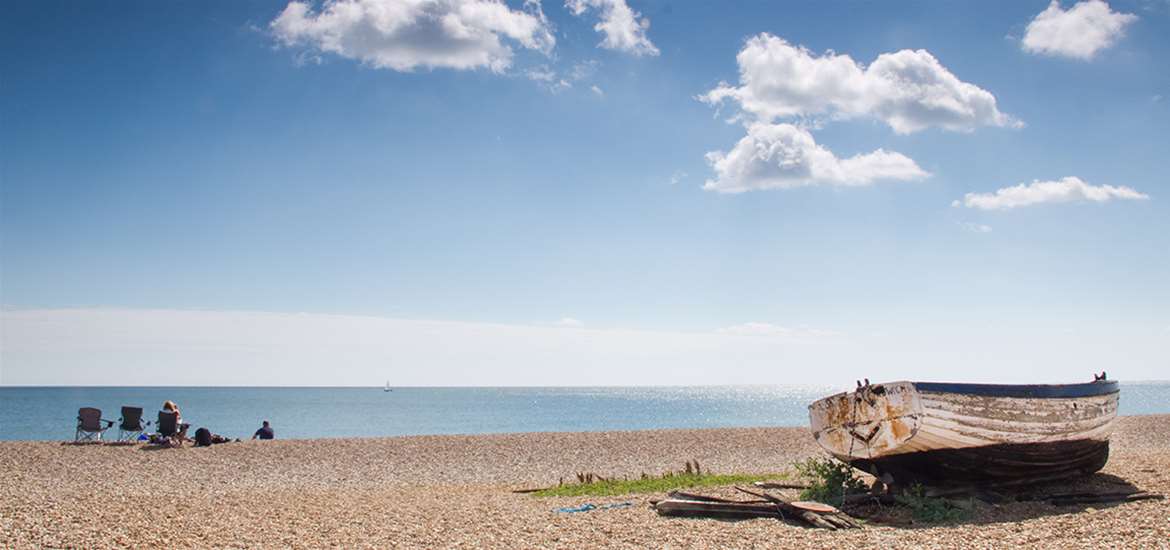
873 421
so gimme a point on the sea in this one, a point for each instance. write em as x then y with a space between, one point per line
49 413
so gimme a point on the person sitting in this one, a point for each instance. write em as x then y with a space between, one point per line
265 432
171 407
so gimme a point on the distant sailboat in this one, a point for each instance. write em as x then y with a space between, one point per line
387 386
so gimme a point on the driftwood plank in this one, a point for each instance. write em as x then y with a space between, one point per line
771 506
838 521
1063 500
680 495
811 518
776 485
1084 494
527 491
679 507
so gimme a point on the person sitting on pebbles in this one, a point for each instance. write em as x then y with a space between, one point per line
265 432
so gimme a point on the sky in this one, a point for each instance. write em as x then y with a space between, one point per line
594 192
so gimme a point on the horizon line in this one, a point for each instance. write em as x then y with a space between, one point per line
309 386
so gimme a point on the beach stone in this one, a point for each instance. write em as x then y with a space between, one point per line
455 492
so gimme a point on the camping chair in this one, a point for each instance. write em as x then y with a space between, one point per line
169 427
131 425
168 424
89 425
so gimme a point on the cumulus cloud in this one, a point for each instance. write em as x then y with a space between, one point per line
909 89
1068 189
403 35
597 91
624 28
1078 32
781 156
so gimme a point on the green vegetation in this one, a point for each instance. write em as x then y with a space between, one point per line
690 477
651 484
929 509
829 480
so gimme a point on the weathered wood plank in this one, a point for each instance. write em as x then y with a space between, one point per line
679 507
779 485
812 518
704 498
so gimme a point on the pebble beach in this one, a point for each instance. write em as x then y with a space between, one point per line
457 492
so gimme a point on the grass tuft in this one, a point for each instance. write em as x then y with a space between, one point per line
829 480
691 477
929 509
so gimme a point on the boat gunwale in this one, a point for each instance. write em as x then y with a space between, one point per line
1035 391
1039 391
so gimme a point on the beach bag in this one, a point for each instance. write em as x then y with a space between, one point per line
203 437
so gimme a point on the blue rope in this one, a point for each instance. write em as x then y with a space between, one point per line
590 506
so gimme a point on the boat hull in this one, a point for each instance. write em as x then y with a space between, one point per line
940 433
1006 463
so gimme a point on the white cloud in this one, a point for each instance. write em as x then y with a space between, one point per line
541 74
909 89
678 176
768 329
94 346
624 28
548 79
583 69
975 227
781 156
1079 32
1068 189
403 35
555 81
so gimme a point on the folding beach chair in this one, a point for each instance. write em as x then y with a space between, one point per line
168 424
171 428
131 425
89 424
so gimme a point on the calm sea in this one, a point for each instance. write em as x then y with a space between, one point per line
50 412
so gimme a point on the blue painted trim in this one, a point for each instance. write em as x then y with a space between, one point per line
1087 389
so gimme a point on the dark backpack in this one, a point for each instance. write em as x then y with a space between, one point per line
203 437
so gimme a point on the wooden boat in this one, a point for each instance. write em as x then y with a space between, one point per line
940 433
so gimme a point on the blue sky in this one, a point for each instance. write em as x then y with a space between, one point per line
178 157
